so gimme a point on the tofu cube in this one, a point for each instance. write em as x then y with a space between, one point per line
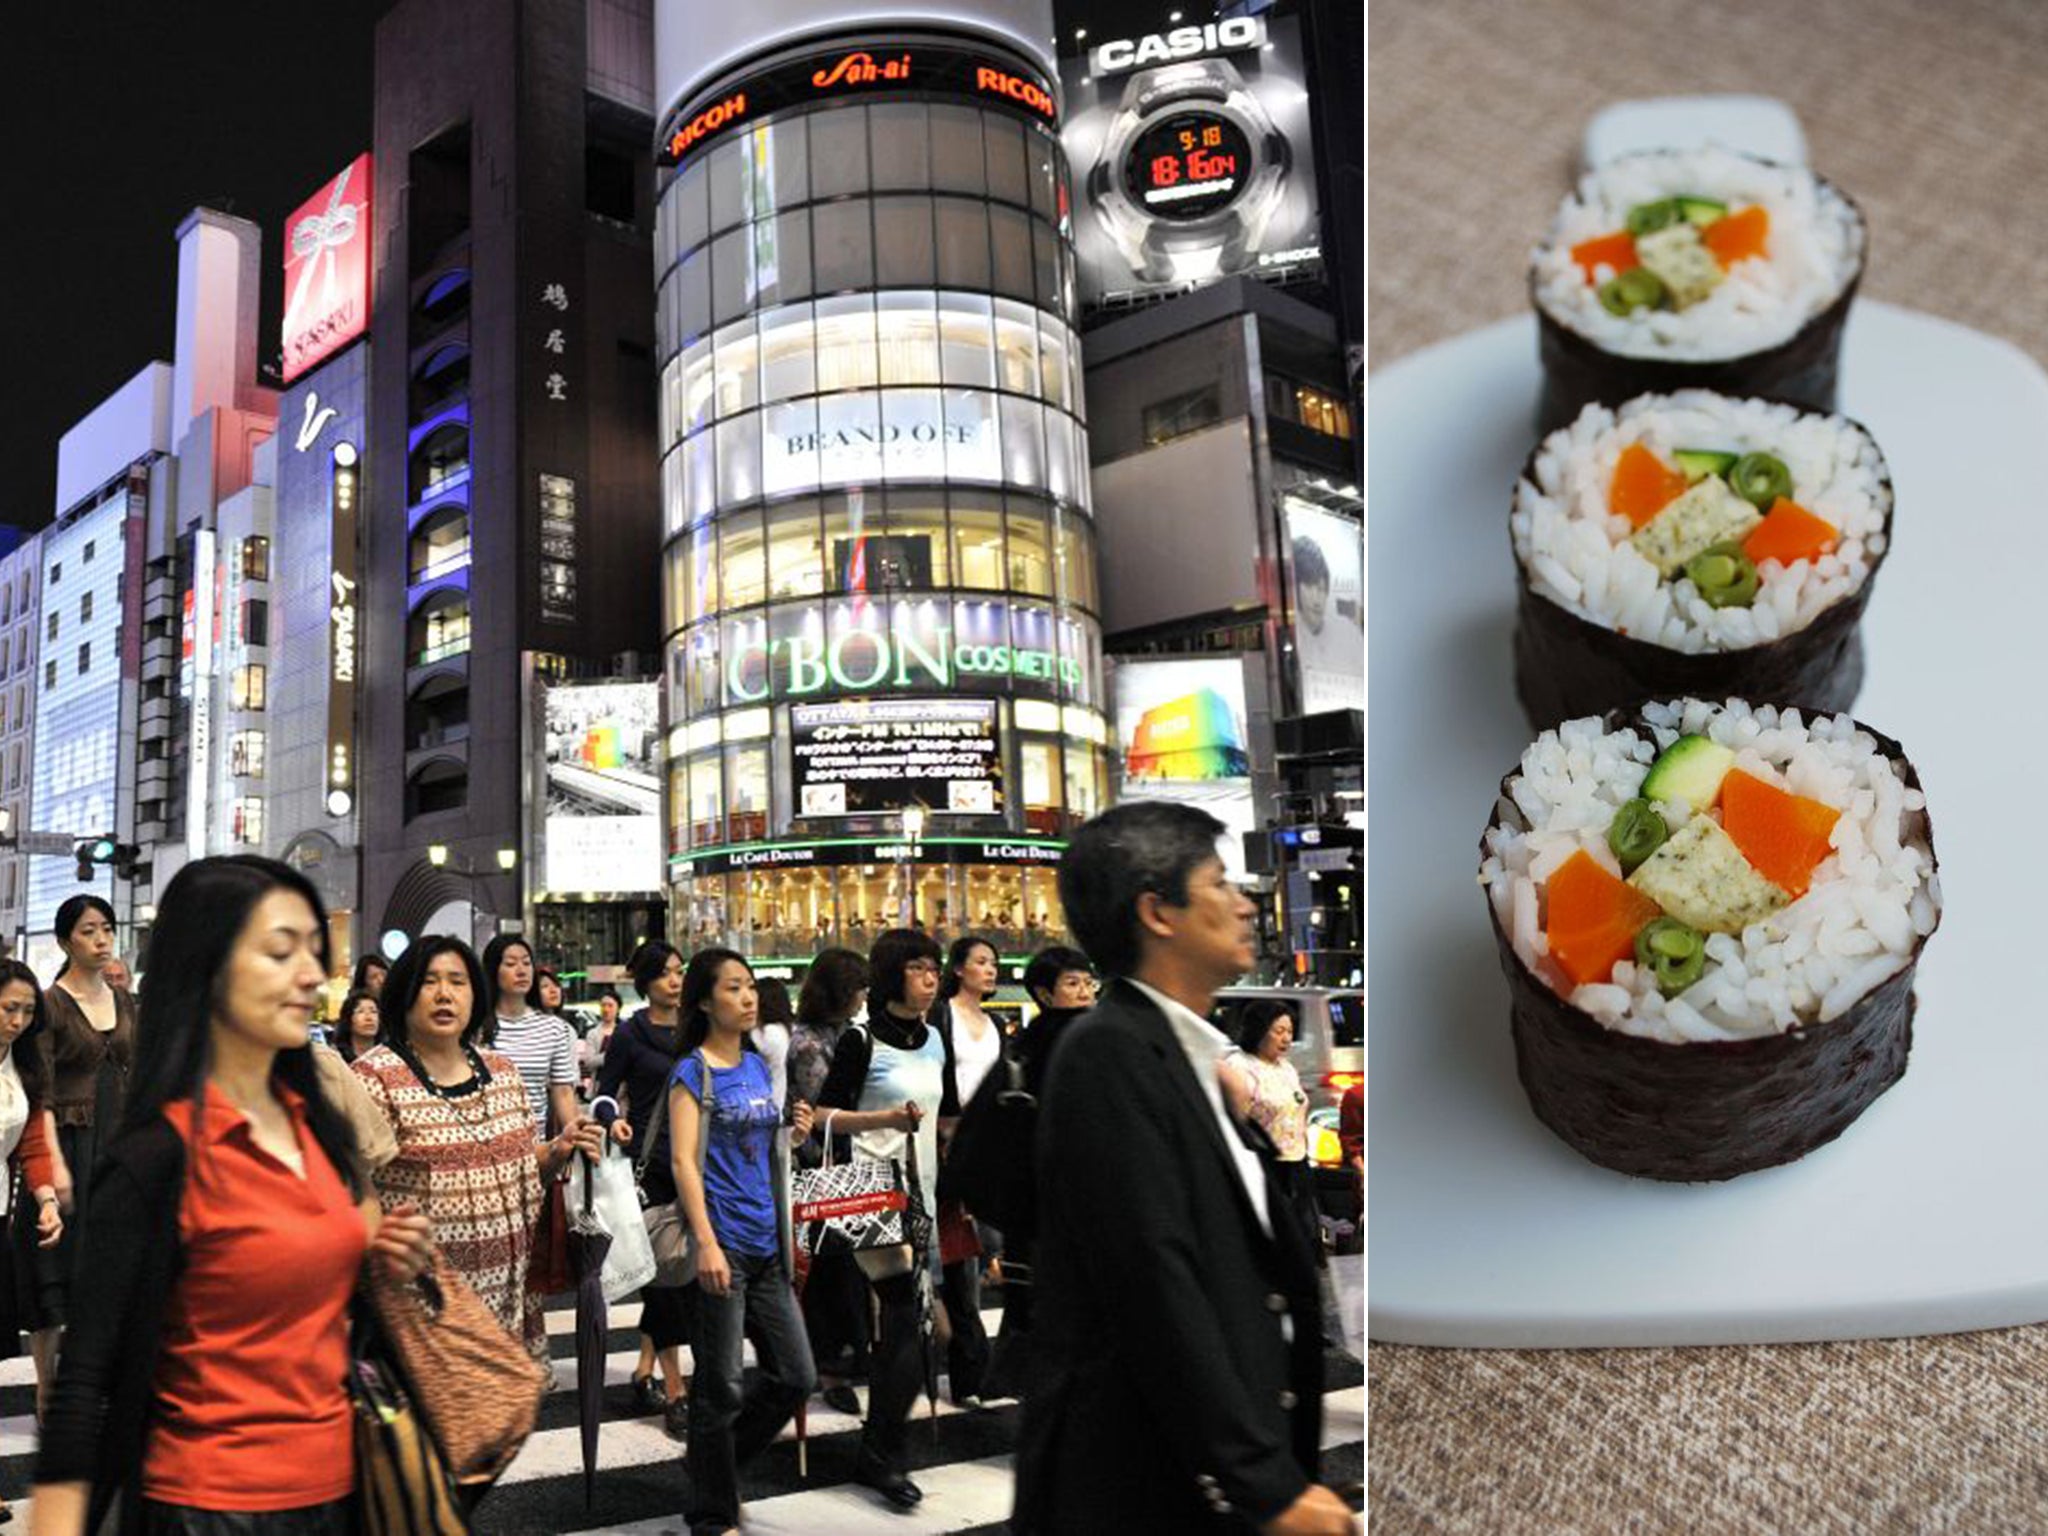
1707 514
1701 878
1688 269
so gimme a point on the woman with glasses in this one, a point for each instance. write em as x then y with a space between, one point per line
887 1087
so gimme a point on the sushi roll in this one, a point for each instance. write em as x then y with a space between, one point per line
1709 917
1696 545
1702 269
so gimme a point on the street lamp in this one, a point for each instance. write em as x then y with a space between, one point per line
437 854
508 859
913 832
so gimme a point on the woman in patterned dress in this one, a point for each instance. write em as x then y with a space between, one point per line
466 1153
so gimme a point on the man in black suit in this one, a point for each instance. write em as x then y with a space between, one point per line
1175 1384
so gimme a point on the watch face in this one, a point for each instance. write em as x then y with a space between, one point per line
1188 165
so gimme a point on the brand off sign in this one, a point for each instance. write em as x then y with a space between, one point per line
327 270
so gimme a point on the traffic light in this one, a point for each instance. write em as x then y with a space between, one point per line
126 858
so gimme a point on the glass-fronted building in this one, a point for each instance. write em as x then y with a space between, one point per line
883 657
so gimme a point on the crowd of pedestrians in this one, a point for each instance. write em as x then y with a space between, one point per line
199 1185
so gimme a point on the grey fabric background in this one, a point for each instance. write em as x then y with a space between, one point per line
1935 119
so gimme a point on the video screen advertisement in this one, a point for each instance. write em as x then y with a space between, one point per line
1180 732
866 756
1191 158
602 824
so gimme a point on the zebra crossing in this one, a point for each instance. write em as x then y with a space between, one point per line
961 1458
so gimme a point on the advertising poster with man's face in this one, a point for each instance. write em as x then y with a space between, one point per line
1326 565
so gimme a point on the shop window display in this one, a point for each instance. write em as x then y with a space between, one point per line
978 541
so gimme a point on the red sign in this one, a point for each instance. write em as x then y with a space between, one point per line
327 270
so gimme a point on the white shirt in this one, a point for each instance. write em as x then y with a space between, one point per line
1205 1046
972 1058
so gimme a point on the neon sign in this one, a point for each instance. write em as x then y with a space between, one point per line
327 270
861 69
719 114
862 659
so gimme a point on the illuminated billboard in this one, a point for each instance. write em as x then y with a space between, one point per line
1325 567
327 270
1181 720
873 755
1191 157
602 828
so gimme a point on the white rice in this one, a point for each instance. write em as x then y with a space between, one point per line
1578 555
1815 248
1872 899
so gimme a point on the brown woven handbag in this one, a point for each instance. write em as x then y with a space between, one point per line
477 1386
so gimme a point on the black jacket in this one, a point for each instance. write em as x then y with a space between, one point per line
1164 1395
128 1263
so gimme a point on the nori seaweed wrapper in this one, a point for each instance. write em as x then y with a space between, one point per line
1802 369
1567 667
1703 1111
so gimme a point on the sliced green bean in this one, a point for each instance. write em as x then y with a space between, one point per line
1724 576
1674 954
1636 832
1648 218
1760 479
1637 288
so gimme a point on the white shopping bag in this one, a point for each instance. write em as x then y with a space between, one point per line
602 1195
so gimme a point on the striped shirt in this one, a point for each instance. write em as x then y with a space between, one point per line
543 1048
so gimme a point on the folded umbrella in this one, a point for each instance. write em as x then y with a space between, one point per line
589 1242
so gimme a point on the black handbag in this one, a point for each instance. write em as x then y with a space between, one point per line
987 1168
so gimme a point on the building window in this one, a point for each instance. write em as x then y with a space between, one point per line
250 686
245 821
1313 408
56 572
86 558
85 609
256 559
49 674
53 626
441 632
245 754
254 621
1183 414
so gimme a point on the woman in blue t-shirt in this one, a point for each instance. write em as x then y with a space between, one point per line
730 1164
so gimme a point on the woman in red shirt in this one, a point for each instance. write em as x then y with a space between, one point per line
203 1372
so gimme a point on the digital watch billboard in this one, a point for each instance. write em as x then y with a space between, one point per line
1181 720
874 755
1191 158
602 824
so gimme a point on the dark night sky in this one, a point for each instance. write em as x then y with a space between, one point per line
117 119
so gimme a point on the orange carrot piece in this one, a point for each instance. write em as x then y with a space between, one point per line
1784 835
1643 485
1738 236
1617 250
1593 918
1789 532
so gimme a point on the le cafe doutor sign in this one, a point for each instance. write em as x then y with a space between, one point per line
929 69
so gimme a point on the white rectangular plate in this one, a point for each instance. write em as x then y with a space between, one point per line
1926 1216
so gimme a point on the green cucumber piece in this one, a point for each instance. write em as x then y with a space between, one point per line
1701 210
1698 463
1691 770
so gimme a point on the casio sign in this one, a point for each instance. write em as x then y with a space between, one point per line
1239 32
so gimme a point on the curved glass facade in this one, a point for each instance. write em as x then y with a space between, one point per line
884 667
